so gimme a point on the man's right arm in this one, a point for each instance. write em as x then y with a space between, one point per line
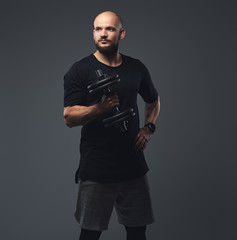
80 115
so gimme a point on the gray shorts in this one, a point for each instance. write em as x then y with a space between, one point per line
131 200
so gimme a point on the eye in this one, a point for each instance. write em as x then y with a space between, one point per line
111 29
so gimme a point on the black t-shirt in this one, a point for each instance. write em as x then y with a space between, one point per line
107 154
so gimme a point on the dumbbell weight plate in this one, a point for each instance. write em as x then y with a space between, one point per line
118 117
104 86
103 83
119 121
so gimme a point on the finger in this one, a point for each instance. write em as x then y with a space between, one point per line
141 147
115 98
114 95
138 135
138 138
144 146
114 103
139 143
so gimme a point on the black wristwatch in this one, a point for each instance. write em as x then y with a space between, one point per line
151 127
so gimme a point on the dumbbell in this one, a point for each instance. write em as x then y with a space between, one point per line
104 82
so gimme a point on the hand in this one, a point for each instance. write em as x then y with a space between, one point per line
109 102
143 137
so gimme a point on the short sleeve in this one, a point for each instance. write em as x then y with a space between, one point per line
74 89
147 89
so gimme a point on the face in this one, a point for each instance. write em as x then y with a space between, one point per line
107 33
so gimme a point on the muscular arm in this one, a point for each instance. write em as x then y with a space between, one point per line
80 115
152 111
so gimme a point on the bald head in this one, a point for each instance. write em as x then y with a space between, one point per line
107 33
108 16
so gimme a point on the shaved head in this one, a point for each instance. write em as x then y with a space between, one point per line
107 33
117 20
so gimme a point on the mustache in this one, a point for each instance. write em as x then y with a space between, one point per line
104 39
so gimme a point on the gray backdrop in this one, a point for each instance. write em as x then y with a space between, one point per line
190 50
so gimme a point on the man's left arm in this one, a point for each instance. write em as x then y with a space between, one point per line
152 111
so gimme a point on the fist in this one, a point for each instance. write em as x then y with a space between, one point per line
109 102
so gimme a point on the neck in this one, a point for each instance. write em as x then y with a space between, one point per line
113 60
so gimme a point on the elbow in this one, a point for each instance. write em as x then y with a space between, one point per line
67 121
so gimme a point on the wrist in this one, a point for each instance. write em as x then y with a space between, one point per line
151 127
147 130
99 108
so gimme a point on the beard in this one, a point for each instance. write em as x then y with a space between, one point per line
109 50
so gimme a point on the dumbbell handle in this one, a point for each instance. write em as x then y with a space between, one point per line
116 110
123 124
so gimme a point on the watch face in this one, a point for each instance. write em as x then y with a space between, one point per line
151 127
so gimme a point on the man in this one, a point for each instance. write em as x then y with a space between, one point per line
112 170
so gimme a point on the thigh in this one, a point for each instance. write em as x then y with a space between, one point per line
94 206
133 204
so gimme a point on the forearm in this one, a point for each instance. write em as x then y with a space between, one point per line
81 115
152 111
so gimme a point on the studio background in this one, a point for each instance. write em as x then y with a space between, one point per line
189 48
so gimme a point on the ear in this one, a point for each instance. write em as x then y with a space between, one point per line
122 33
93 34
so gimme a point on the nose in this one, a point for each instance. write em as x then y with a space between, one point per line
104 33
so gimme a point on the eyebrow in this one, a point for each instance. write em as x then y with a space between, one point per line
112 27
